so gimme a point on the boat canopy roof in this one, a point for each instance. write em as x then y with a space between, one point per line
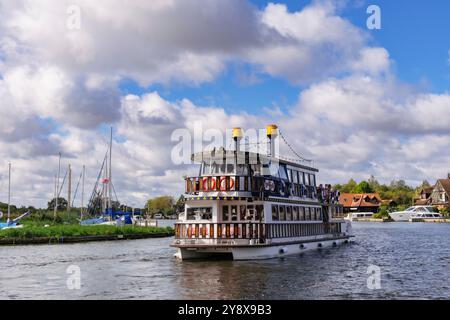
221 155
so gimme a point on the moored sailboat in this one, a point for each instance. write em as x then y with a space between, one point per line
14 223
101 207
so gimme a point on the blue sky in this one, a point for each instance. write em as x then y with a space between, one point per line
413 32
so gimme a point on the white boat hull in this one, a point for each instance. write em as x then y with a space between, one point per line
400 216
257 252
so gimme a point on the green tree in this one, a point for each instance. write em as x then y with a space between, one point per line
363 187
373 183
62 204
425 184
349 186
164 204
179 206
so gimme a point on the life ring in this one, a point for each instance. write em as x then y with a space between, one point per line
223 184
272 185
267 185
207 186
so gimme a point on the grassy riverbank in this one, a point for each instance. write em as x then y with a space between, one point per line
59 231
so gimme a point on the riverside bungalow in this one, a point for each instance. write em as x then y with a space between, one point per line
441 194
362 202
424 197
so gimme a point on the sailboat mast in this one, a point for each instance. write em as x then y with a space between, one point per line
9 192
57 188
104 185
82 192
110 170
69 189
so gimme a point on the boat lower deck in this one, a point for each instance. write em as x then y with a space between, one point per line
257 250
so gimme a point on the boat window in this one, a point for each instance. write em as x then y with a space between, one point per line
307 214
218 168
308 179
243 183
301 177
230 168
313 180
242 210
282 213
290 175
275 216
295 176
234 213
259 216
295 213
199 213
250 213
301 211
242 170
206 168
288 213
282 172
225 213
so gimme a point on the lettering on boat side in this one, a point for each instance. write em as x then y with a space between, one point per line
226 309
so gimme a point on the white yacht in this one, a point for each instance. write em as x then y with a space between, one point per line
424 216
358 215
404 216
246 205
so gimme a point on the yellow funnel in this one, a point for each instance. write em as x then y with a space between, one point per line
237 133
272 130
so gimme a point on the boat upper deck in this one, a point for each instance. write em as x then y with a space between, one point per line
238 173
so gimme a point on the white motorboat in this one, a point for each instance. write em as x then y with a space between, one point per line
404 216
424 216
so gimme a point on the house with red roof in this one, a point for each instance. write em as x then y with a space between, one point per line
360 202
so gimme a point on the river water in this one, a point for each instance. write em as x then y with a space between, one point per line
413 259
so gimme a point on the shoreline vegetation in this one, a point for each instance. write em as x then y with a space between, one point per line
59 234
43 227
